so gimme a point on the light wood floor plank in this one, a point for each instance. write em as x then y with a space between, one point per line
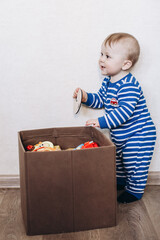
2 194
84 235
136 221
8 213
11 224
152 202
133 223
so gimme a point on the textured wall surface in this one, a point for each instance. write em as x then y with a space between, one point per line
48 48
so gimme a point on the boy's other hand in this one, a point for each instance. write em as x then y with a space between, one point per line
93 123
84 94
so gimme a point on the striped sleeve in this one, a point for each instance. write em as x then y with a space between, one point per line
95 100
128 97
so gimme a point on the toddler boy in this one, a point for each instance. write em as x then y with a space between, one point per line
126 114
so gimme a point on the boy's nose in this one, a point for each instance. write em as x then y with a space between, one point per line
101 59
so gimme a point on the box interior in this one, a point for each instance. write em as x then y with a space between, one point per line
64 137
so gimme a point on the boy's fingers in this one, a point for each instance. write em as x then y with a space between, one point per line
93 123
90 122
75 92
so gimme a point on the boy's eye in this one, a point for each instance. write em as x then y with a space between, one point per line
107 56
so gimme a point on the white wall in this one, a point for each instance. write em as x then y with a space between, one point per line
47 48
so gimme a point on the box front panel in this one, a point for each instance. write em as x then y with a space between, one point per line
50 200
94 188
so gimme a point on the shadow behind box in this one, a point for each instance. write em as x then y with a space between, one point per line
67 191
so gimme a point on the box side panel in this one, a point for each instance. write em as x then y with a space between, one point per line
76 136
50 192
100 137
22 170
65 137
95 195
71 131
72 142
28 137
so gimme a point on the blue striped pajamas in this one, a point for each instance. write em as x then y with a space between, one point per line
131 128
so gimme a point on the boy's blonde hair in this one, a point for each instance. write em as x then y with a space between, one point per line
132 45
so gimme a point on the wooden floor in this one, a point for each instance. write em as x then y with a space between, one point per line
136 221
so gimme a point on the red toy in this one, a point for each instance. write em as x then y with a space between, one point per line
89 145
85 145
30 147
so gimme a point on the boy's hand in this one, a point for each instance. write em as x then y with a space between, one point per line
93 123
84 94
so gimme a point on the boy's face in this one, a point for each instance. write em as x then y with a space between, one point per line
112 59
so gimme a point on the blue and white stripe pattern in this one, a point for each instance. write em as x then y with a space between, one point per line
131 128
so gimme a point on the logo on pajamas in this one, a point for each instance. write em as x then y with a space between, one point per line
114 102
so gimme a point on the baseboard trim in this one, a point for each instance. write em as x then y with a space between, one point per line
13 181
153 178
9 181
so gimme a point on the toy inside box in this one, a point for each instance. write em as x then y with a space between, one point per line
67 191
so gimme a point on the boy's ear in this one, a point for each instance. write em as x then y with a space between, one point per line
127 64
